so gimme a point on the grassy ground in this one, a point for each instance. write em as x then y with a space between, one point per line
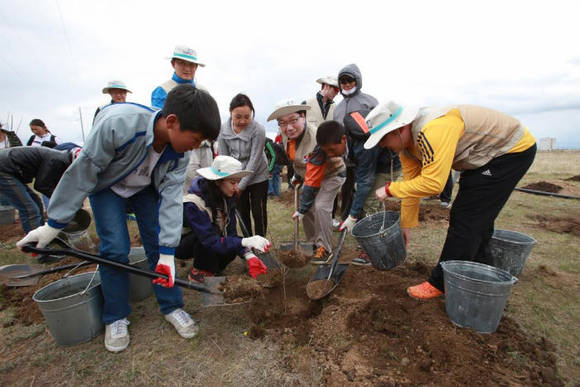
545 302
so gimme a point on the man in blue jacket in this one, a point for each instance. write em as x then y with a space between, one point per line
135 156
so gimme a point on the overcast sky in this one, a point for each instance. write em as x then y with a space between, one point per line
520 57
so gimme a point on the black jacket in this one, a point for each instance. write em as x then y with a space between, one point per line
43 165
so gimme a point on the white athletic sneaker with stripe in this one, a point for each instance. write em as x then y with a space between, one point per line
183 323
117 335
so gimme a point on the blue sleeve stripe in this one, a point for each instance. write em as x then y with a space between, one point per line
55 224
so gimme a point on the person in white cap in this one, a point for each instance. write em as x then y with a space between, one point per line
322 105
493 150
209 210
185 63
117 90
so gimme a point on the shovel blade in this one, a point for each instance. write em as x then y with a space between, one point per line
10 275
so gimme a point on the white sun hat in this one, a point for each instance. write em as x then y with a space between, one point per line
187 54
224 167
115 85
329 80
285 107
385 118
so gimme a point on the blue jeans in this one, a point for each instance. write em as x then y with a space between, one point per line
111 223
274 182
21 197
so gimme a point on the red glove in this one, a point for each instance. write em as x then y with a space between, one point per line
255 265
165 265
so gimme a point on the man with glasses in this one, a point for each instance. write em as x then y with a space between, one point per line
369 169
185 62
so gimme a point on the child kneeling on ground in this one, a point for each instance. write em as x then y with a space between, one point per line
209 210
135 156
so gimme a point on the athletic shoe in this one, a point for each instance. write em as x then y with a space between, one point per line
362 260
198 275
183 323
117 335
321 256
424 291
445 204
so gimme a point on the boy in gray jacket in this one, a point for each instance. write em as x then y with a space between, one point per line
138 156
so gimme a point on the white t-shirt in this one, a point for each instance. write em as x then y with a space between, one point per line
140 177
39 140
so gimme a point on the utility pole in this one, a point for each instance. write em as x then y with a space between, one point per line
82 128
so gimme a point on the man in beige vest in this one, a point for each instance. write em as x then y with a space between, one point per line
185 63
322 105
493 151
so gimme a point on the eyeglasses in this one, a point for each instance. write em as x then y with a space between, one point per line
292 122
346 80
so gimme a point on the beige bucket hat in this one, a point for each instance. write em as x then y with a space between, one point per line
329 80
115 85
285 107
224 167
387 117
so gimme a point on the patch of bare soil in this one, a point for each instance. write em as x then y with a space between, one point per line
565 224
574 178
20 298
544 186
11 232
369 332
272 278
318 289
293 258
240 288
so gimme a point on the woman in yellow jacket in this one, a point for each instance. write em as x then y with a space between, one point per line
493 151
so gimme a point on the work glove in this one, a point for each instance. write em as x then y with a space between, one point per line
296 180
165 265
43 235
257 242
297 215
348 224
255 266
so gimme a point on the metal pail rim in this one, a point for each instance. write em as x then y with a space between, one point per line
446 265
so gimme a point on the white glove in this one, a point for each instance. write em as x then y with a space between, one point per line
165 265
43 235
257 242
348 223
298 215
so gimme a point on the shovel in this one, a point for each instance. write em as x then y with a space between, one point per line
305 247
209 288
27 275
266 258
328 274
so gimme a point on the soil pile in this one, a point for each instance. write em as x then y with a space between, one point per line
293 259
544 186
574 178
272 278
369 332
240 288
567 224
318 289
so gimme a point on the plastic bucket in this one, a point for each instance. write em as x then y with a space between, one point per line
476 294
385 248
7 215
72 308
139 287
510 249
80 240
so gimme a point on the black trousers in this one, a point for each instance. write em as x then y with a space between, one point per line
347 193
254 198
445 195
481 196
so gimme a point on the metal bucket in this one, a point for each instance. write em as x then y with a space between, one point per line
476 294
139 287
386 247
72 308
7 215
510 249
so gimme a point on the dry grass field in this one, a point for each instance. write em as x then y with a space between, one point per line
356 336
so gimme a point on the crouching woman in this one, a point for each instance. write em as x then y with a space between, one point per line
209 210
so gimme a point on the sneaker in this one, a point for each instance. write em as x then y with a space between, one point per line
321 256
424 291
117 335
362 260
198 275
183 323
335 224
445 204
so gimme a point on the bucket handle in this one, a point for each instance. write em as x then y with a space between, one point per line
90 282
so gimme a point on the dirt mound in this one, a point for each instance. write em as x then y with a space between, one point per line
567 224
544 186
369 332
240 288
433 213
293 258
11 232
574 178
272 278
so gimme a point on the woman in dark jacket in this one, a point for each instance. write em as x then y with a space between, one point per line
209 211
